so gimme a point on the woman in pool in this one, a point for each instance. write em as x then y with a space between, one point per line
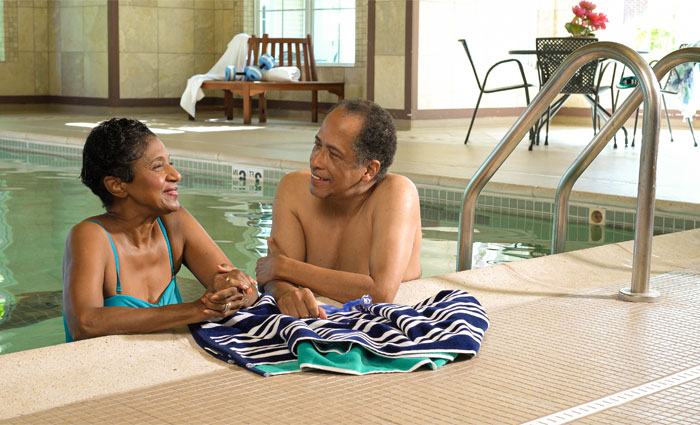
128 257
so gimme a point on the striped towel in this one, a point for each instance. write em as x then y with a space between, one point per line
370 338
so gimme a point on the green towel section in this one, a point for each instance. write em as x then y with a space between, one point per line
353 359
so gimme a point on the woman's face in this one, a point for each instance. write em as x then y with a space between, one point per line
155 179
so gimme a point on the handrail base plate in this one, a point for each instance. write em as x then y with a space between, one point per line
626 294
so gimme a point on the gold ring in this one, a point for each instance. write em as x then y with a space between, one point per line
228 277
227 307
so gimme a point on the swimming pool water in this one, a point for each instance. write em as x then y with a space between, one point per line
41 198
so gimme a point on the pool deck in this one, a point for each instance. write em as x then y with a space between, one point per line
559 338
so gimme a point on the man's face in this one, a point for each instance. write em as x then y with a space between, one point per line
334 172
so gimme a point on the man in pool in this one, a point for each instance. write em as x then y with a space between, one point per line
356 231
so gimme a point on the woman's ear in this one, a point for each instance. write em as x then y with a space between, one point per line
371 169
115 186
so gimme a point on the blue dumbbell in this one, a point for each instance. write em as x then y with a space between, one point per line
266 61
250 73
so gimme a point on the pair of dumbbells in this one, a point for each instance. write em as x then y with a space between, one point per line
251 73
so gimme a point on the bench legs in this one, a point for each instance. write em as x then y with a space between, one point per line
228 104
262 108
314 106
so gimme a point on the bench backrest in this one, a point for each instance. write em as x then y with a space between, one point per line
297 52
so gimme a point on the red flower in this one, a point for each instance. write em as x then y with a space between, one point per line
588 5
579 11
598 20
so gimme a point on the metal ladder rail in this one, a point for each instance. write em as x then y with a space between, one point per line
640 273
532 113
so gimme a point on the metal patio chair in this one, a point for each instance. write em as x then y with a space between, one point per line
551 52
482 86
627 82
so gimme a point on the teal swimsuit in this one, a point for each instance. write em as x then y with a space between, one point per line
171 295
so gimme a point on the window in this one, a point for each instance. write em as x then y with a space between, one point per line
330 22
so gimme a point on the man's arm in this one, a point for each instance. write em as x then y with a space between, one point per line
395 221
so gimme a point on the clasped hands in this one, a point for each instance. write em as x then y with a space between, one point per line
230 291
291 300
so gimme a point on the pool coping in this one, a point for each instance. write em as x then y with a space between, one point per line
49 377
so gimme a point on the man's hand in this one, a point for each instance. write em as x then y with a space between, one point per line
267 268
300 303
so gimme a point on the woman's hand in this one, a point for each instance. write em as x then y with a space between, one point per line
230 291
268 267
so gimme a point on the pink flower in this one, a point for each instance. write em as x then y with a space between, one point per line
579 11
598 20
588 5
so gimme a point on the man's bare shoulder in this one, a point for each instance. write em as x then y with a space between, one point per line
395 185
293 188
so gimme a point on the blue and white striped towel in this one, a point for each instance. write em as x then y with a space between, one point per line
369 339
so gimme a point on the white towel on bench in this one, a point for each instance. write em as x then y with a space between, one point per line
236 54
282 73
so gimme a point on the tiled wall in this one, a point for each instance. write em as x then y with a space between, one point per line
390 53
162 43
60 48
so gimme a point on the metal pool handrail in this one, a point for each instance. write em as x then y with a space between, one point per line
640 273
593 51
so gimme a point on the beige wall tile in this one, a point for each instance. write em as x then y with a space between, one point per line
138 29
173 71
390 28
138 75
203 62
203 4
25 28
223 4
353 91
54 27
41 73
389 81
227 31
204 31
180 4
55 73
175 30
21 75
219 42
141 3
355 76
41 30
95 75
72 73
95 28
71 28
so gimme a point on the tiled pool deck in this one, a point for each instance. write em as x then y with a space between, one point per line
559 338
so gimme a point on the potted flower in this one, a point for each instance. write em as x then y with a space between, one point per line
585 20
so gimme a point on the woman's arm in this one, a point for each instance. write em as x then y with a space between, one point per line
209 264
85 269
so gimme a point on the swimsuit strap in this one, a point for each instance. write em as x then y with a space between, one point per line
167 241
114 250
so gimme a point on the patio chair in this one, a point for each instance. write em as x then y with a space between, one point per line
551 52
627 82
482 87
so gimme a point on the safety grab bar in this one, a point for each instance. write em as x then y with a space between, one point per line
651 94
644 225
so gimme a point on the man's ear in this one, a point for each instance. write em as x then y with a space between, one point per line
115 186
371 169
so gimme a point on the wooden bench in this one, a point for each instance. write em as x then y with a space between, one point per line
287 52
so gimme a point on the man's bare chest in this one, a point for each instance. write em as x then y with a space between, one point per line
339 244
